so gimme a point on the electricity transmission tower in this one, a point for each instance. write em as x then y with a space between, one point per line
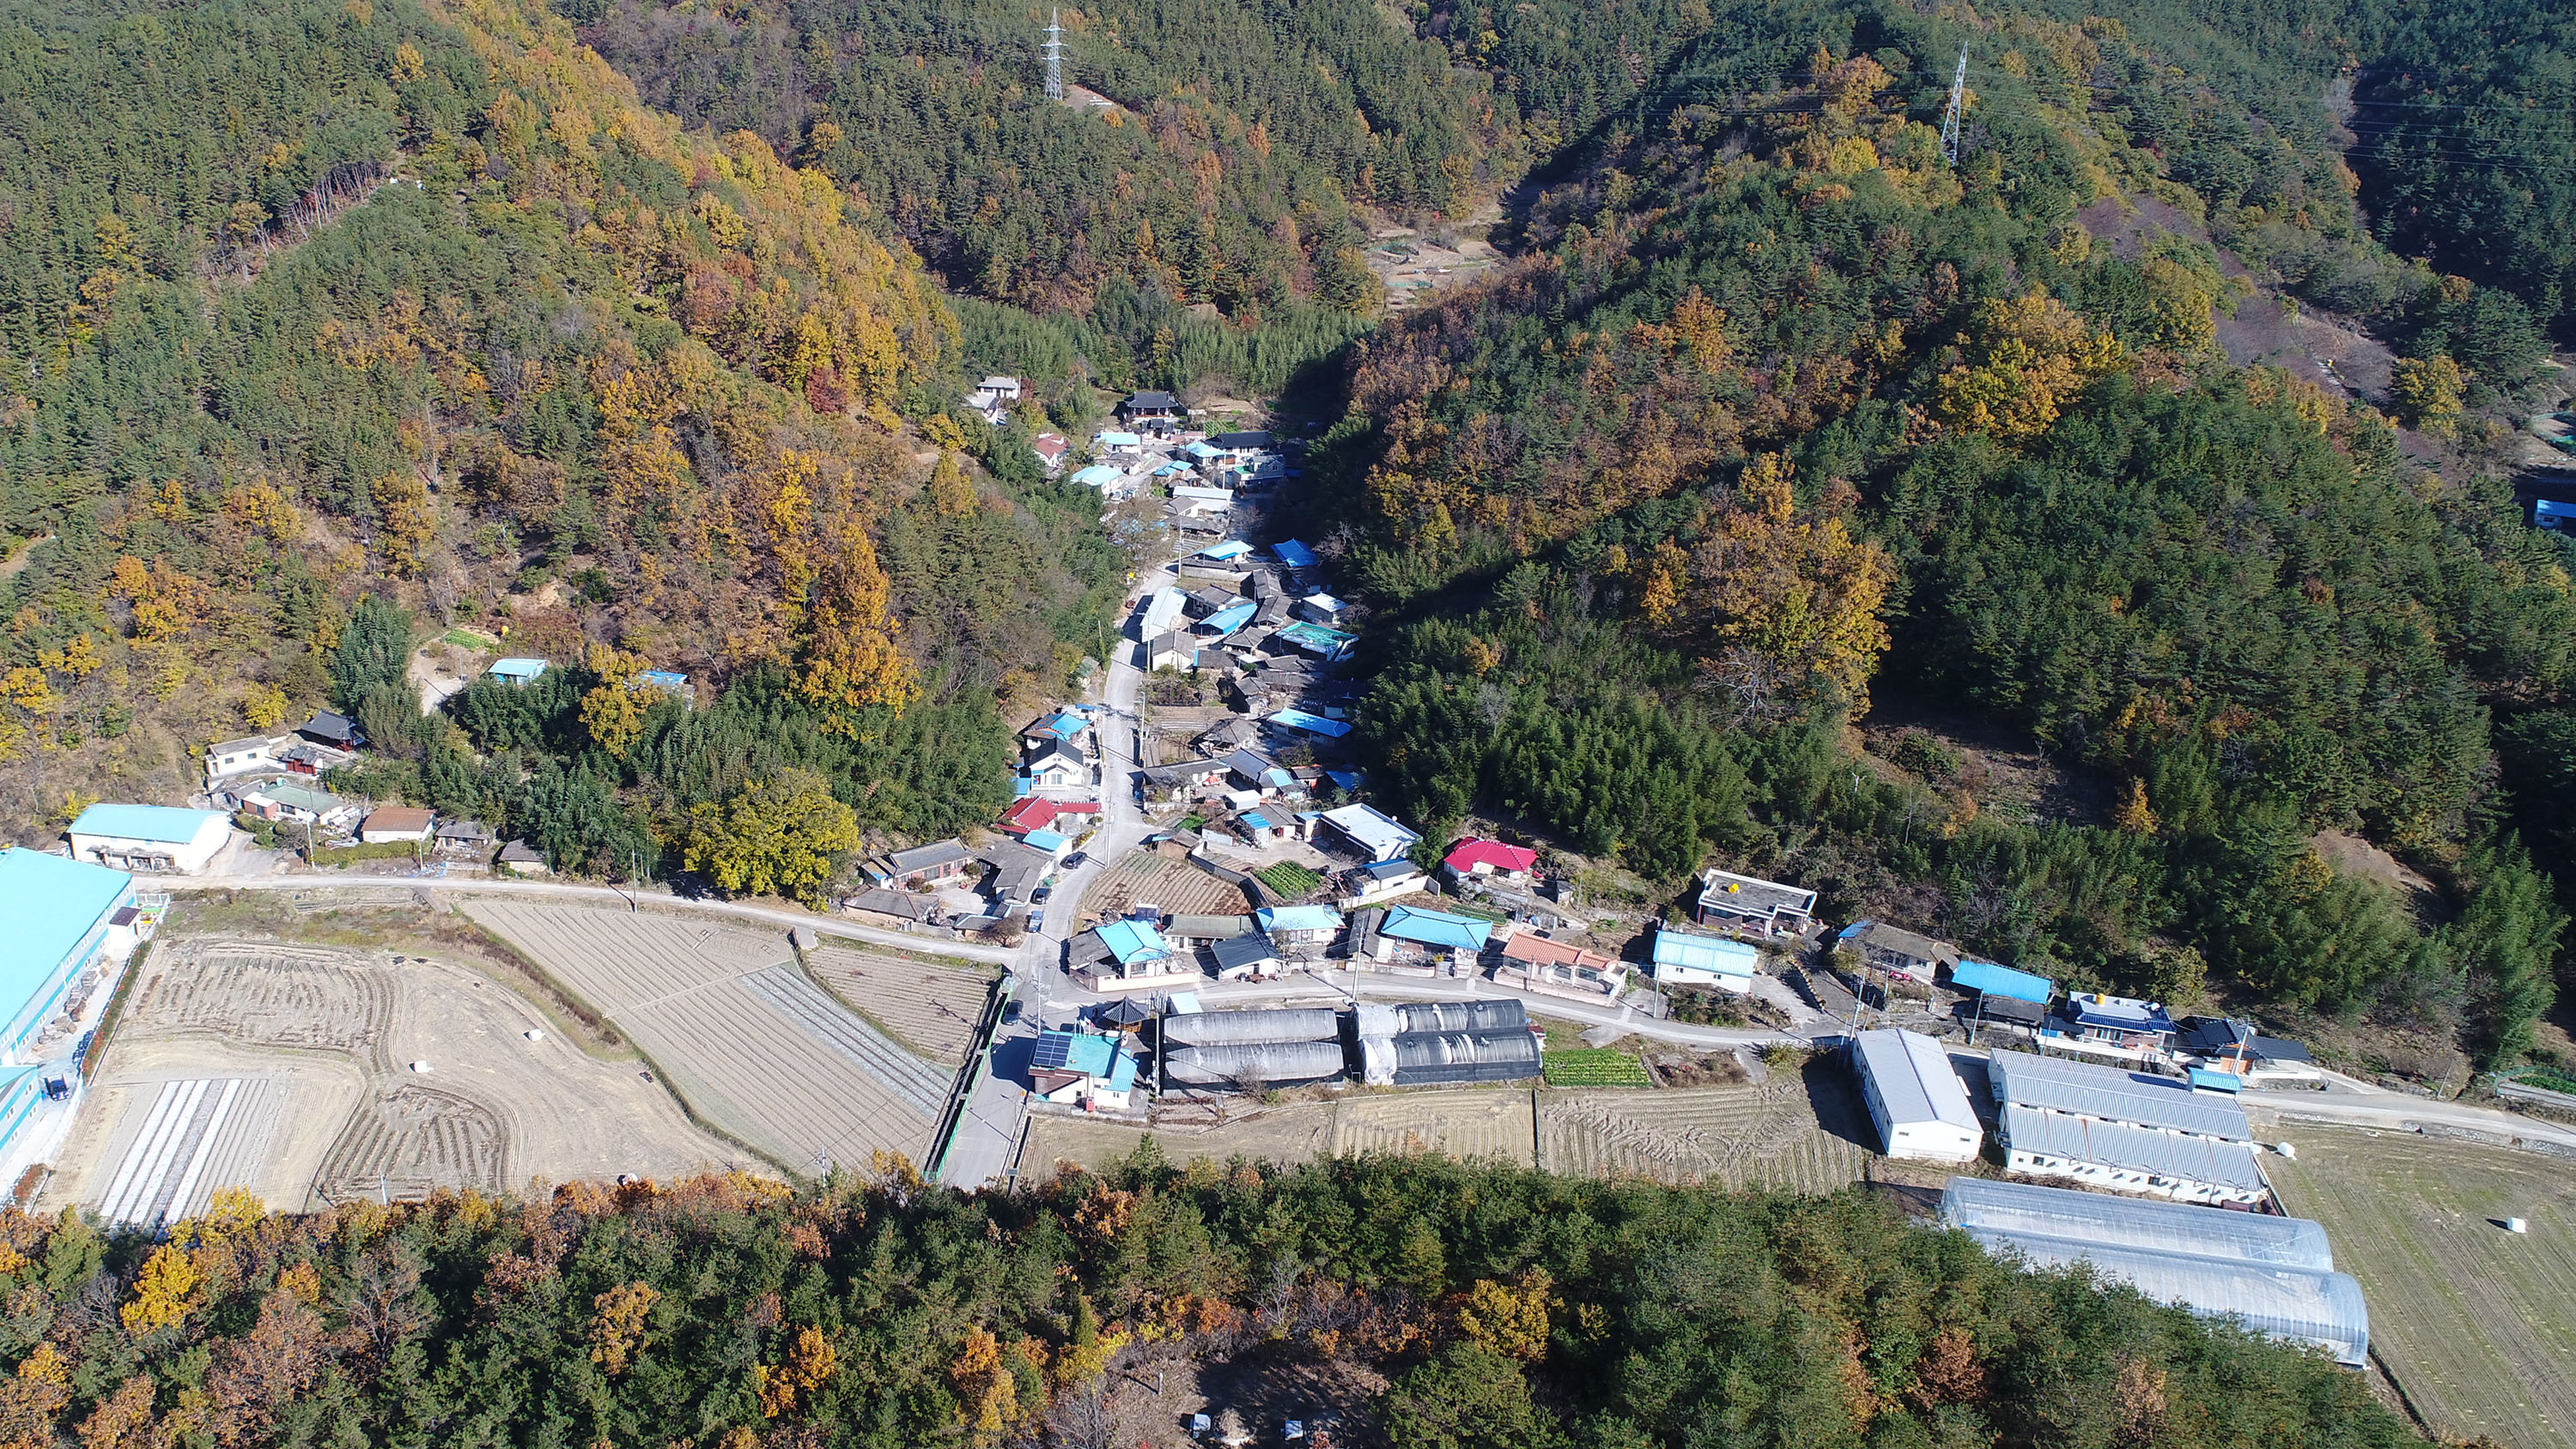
1950 117
1055 58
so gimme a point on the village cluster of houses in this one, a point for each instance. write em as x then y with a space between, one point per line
1055 805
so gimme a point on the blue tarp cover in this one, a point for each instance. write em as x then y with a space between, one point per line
1993 980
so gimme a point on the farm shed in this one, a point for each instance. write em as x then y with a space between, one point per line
1375 834
1751 904
1990 980
2298 1303
2108 1094
1915 1098
2131 1159
160 838
64 916
517 670
1268 1064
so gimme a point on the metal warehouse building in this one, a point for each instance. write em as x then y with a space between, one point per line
2124 1130
1915 1098
2274 1275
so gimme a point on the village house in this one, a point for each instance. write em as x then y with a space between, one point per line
1473 859
1682 958
1237 957
1897 952
1383 880
1062 727
1175 651
1079 1068
331 728
1409 933
463 837
1050 449
397 823
1300 930
993 397
1065 817
1117 443
925 867
520 858
1164 784
1535 963
1373 833
1151 408
256 754
1752 906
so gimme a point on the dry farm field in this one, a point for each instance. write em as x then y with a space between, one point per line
1480 1123
1177 886
747 1040
931 1009
1801 1131
288 1070
2475 1325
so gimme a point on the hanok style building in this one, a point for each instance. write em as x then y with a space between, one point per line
1753 906
926 867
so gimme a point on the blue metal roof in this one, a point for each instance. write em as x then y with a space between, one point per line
161 824
1231 548
1705 953
1047 840
51 904
1294 554
518 668
1073 1051
1313 724
1232 617
1256 820
2552 508
1095 475
1064 726
1298 918
1435 928
1992 980
1133 941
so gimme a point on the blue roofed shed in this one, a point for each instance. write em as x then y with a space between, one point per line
516 670
1988 979
1287 925
1098 475
1294 554
1313 724
62 915
1232 548
1230 618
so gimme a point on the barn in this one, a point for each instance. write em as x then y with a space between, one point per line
1921 1110
158 838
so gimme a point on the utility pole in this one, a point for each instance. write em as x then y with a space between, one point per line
1055 56
1950 117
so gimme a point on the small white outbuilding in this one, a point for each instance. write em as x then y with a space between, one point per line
1916 1100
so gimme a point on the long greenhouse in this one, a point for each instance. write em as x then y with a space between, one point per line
2233 1268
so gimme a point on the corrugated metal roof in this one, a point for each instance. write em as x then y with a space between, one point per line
2127 1222
160 824
50 903
1133 941
1915 1079
1299 918
1435 928
1705 953
2030 1080
1994 980
2302 1305
1294 554
2167 1155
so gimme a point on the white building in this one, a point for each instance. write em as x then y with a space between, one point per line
1683 959
1916 1100
2123 1130
1374 833
228 759
71 927
160 838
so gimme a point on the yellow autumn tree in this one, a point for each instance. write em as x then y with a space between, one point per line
617 1327
407 521
781 836
2026 358
2428 392
1509 1318
612 712
986 1392
1792 586
951 496
809 1363
164 1293
847 659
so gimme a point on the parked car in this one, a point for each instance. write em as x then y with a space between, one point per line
1076 859
1040 894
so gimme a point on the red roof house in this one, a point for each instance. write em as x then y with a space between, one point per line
1472 857
1036 813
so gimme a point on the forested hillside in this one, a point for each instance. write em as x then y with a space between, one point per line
1780 409
307 301
1447 1307
1229 175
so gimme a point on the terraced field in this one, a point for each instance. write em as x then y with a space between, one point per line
2475 1324
1486 1124
289 1071
1801 1134
752 1046
1175 885
932 1010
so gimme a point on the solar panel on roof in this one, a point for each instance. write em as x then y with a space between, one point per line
1053 1052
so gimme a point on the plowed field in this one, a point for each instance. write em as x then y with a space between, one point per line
933 1010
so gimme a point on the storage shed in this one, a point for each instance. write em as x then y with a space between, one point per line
1921 1110
162 838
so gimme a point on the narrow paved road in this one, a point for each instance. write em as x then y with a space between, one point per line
2398 1112
776 915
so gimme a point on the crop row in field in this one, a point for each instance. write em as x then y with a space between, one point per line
933 1010
1593 1067
1787 1133
1288 880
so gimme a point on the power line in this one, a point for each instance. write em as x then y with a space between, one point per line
1950 117
1055 55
